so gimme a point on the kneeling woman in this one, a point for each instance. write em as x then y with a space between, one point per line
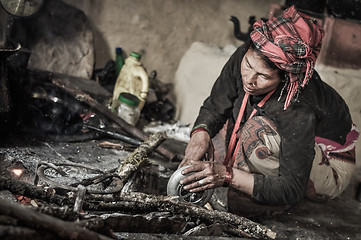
289 133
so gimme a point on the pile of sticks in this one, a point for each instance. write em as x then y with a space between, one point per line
61 219
75 217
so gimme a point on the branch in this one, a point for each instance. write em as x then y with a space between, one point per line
35 219
140 203
139 156
25 189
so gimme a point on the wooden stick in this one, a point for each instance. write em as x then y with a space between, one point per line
87 99
140 203
32 218
25 189
139 156
15 232
79 199
64 212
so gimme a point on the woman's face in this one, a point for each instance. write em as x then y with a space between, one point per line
257 77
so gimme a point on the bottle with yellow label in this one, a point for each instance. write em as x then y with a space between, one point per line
132 79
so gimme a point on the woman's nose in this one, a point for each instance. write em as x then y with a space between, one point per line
250 79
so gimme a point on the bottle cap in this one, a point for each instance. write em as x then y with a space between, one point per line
135 55
129 99
118 50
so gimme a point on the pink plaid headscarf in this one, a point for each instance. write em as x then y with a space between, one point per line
293 42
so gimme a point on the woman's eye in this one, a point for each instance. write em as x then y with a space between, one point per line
263 77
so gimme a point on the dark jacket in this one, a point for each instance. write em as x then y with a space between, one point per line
318 111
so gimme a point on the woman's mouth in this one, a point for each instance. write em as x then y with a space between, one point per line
248 90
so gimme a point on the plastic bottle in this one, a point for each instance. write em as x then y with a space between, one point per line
119 61
132 79
128 108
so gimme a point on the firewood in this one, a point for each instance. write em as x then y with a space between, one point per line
96 179
139 156
145 203
8 232
79 199
25 189
118 146
140 203
34 219
87 99
63 212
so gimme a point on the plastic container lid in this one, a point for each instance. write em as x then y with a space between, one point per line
129 99
135 55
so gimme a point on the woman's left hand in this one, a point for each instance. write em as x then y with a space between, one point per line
205 175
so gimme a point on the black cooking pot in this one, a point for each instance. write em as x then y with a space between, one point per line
55 113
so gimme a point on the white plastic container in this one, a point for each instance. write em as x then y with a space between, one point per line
132 79
128 108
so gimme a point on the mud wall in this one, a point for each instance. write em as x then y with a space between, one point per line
164 29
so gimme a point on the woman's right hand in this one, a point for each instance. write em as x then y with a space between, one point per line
199 146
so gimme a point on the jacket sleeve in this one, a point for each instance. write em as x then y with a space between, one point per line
217 108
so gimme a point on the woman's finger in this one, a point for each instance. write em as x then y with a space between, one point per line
201 182
195 184
195 166
191 178
201 188
184 163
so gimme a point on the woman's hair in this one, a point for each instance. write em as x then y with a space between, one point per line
269 63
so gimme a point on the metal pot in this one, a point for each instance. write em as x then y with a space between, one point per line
174 188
